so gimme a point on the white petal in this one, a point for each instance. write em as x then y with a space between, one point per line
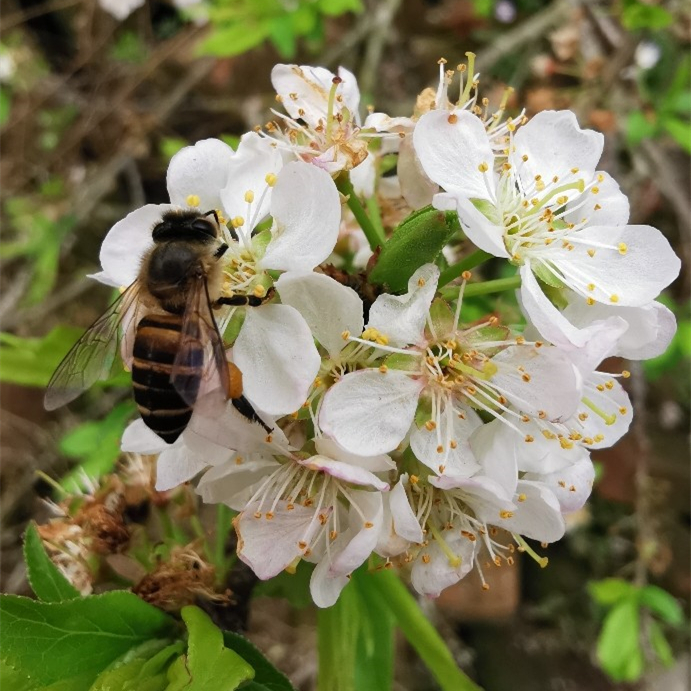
610 207
635 278
542 367
324 587
350 91
416 188
307 214
126 244
254 159
370 412
459 461
613 402
554 144
268 546
496 453
363 176
175 466
277 357
651 327
375 464
430 576
486 497
366 524
404 520
328 307
537 514
138 438
344 471
488 236
202 171
571 485
228 483
452 152
402 317
304 91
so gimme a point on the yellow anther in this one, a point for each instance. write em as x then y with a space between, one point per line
270 179
590 301
525 377
452 119
193 200
453 444
249 196
623 410
529 438
521 497
426 558
623 249
565 443
369 524
421 282
591 252
259 291
345 335
483 167
466 275
268 515
600 177
506 514
383 369
237 222
609 385
524 158
414 479
440 449
625 373
431 425
574 170
614 298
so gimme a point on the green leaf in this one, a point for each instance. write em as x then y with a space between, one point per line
618 646
96 445
660 644
282 36
43 575
416 241
663 604
680 130
265 674
50 642
140 669
333 8
235 39
169 146
639 127
5 105
640 15
294 587
208 664
609 591
32 361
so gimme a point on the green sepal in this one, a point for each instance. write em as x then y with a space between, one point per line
442 317
547 277
416 241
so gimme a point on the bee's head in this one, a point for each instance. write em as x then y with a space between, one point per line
188 226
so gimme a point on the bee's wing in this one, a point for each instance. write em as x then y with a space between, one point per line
92 356
200 348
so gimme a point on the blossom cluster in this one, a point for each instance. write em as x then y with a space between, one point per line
404 433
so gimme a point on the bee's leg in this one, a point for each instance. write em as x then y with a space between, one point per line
246 300
244 407
214 214
222 249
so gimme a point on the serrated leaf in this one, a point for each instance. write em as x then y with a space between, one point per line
610 590
416 241
54 641
140 669
661 603
43 575
266 675
618 646
208 664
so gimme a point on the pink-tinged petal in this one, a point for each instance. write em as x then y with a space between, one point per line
375 464
255 158
416 188
431 575
268 546
325 588
307 214
526 376
555 144
494 446
370 412
613 404
277 357
487 234
138 438
199 171
345 472
177 465
405 522
451 435
402 317
650 327
328 307
126 244
609 207
452 148
230 483
366 524
633 278
571 485
218 421
537 514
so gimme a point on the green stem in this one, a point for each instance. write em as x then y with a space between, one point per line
420 633
223 521
471 261
375 215
497 286
374 235
337 644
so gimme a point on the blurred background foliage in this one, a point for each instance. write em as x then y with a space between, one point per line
94 101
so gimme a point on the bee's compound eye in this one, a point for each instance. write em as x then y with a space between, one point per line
201 225
159 230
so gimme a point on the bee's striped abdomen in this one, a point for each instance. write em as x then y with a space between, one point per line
156 345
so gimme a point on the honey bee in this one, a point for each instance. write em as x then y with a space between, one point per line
167 318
